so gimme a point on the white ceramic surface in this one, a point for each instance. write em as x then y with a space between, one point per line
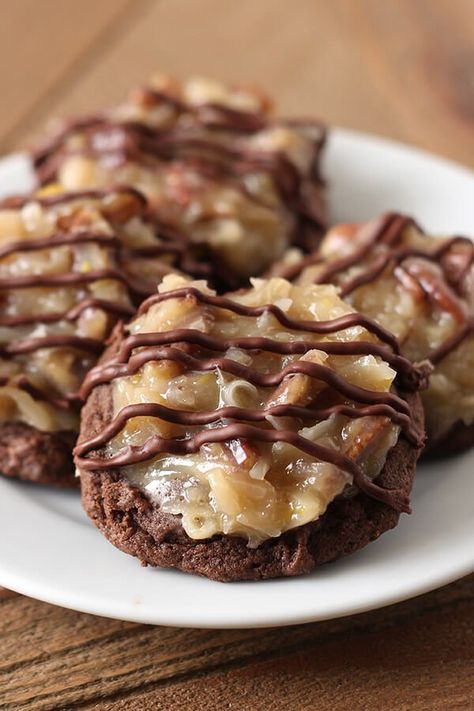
48 549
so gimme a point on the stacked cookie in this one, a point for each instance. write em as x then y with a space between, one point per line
238 434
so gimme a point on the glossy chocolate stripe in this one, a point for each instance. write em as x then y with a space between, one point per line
115 369
106 240
180 143
28 345
24 345
257 343
206 157
71 279
451 343
387 230
41 152
194 419
19 201
58 240
152 346
158 445
137 141
435 288
292 271
231 119
397 257
63 401
391 224
71 314
321 327
109 371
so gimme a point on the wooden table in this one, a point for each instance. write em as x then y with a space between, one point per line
403 68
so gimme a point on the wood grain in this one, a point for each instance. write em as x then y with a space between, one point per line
53 658
41 44
401 68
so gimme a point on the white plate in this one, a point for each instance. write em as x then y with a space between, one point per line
48 549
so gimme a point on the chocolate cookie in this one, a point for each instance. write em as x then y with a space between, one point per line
455 441
237 184
71 266
420 287
40 457
248 456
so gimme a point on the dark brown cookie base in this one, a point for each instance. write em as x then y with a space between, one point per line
129 521
459 438
40 457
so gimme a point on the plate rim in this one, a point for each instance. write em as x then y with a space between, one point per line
245 623
281 617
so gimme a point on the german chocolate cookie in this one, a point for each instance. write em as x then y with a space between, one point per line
239 185
71 265
420 287
248 437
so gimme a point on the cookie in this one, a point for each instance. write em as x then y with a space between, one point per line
419 286
237 184
40 457
71 266
250 436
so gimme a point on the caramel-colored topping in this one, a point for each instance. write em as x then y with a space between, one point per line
67 272
418 286
303 371
218 169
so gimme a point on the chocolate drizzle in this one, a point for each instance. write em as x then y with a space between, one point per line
112 307
439 289
102 374
117 308
16 202
72 279
450 344
195 419
138 349
63 402
346 321
198 145
173 243
28 345
157 445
